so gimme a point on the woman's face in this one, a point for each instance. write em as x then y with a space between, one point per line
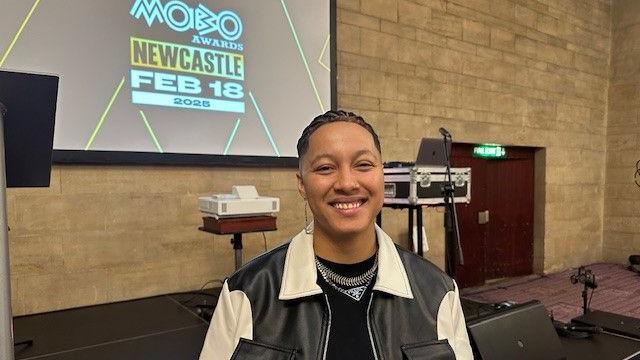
341 177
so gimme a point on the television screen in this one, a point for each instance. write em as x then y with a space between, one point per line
159 78
30 102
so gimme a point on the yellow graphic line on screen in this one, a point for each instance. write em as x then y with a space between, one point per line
304 60
324 48
153 135
231 137
104 115
15 38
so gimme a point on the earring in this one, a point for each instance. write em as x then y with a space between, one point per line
308 226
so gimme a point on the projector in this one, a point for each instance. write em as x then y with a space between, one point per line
242 202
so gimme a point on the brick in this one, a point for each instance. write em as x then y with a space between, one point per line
502 39
358 61
359 20
384 9
476 32
379 45
446 95
431 38
440 5
537 36
624 95
541 109
525 46
395 67
555 55
358 102
446 59
503 9
348 80
488 53
412 126
348 38
395 106
548 25
413 89
476 99
462 46
489 69
378 84
525 16
413 52
385 123
399 30
444 24
353 5
502 103
413 14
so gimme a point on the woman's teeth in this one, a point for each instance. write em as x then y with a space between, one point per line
345 206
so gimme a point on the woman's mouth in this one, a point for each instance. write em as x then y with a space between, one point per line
348 208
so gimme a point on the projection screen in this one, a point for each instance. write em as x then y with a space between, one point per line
177 81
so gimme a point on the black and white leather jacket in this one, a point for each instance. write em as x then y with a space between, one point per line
272 308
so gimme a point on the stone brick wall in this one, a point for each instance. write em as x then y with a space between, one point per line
523 72
622 196
531 73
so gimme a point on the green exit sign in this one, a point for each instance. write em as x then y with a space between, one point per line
490 151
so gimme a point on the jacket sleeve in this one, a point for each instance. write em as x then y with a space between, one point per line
231 321
451 325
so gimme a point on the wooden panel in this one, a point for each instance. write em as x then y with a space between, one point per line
472 234
504 246
510 231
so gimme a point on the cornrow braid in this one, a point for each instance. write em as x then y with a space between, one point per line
330 117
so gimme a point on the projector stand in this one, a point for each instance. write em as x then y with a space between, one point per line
237 227
6 319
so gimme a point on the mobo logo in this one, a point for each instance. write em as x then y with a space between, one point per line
180 17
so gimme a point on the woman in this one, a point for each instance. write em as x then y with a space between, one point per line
341 289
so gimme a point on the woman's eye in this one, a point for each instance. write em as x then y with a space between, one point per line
365 165
324 169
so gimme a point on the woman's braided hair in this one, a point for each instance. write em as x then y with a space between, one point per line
330 117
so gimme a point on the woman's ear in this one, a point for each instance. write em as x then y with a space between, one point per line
301 190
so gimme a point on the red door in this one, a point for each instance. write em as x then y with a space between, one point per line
503 245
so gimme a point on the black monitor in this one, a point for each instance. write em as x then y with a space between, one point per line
30 101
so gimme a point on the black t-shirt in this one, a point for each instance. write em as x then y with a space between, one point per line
349 335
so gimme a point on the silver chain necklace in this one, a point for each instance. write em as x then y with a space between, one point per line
348 281
357 285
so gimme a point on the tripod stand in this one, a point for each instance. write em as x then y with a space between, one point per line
588 279
452 232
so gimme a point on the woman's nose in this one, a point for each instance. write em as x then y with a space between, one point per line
346 181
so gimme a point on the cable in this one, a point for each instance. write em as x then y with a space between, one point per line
200 292
590 297
265 241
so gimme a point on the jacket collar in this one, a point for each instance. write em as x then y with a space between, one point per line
300 275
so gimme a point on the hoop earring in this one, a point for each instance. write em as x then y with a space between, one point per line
308 225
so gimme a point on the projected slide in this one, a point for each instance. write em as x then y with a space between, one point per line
218 77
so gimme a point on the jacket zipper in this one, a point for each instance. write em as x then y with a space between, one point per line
326 336
373 345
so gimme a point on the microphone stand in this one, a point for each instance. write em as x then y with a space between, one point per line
452 232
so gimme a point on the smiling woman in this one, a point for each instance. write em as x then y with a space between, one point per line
341 177
343 290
